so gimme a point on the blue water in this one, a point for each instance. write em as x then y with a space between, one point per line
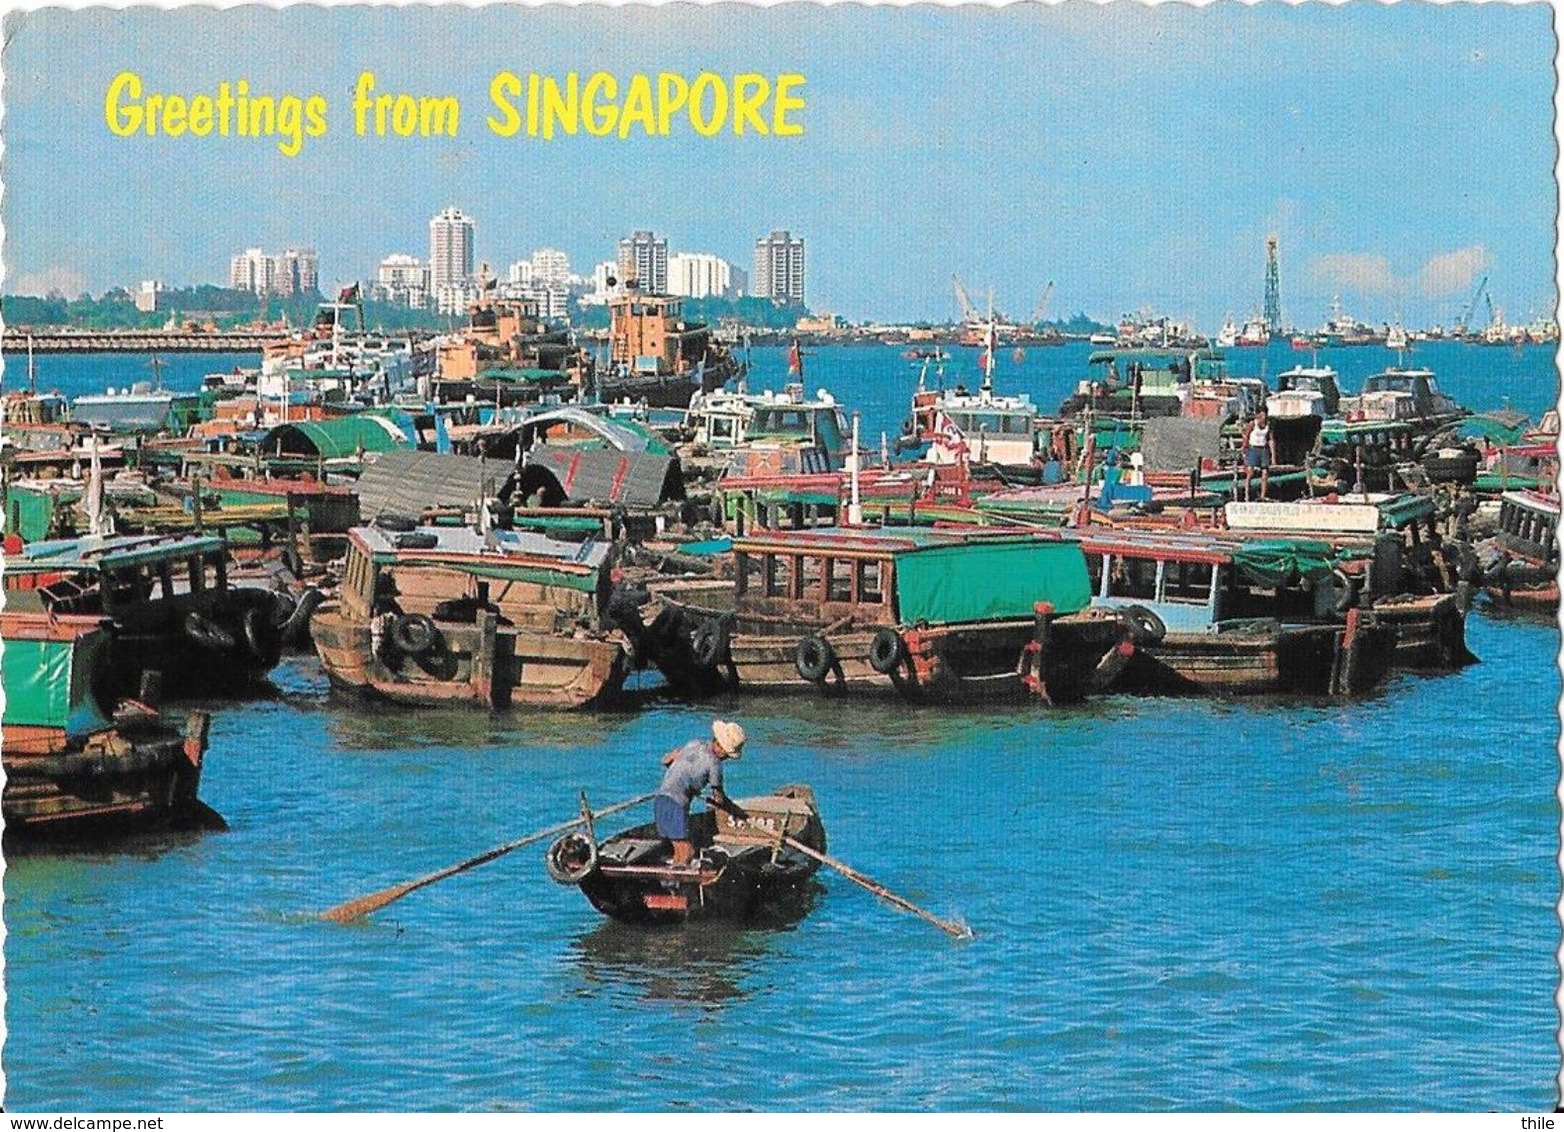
1178 904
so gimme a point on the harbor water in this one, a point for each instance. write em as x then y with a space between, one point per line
1177 903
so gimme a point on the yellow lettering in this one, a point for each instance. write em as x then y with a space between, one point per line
672 93
315 113
438 116
785 103
290 114
366 83
563 108
502 88
708 127
154 107
123 120
600 122
638 107
201 115
532 105
404 116
749 95
174 116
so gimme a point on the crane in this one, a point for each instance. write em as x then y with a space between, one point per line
1465 321
1042 305
969 313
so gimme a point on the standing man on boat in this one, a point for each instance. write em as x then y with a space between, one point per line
691 769
1259 452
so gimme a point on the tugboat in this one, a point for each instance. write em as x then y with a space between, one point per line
658 357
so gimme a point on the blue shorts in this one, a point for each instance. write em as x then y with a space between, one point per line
1257 457
672 818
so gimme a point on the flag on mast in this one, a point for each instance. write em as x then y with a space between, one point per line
795 360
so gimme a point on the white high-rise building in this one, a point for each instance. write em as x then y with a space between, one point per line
779 268
402 279
450 250
522 272
643 256
699 275
601 289
551 267
252 270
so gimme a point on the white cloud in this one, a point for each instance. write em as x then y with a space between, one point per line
62 279
1367 273
1452 273
1360 272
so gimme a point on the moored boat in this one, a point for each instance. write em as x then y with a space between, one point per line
75 767
968 616
743 869
430 615
1520 563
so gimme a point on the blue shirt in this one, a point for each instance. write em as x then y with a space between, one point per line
695 766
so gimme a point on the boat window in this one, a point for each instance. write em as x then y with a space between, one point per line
839 583
1187 581
1134 577
779 579
871 587
808 579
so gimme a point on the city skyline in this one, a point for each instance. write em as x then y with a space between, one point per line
1136 157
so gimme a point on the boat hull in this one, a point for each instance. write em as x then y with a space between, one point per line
480 663
137 777
1429 631
742 870
1263 658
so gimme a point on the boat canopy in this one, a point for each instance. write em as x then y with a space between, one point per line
1281 562
107 552
48 683
990 580
340 437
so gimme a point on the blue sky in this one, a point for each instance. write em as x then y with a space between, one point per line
1135 156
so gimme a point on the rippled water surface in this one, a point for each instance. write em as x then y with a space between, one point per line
1178 904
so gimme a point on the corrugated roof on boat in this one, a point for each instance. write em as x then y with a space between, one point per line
341 436
591 554
408 482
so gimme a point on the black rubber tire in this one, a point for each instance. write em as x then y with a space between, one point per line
261 636
570 859
814 658
1346 591
208 633
386 521
1146 627
284 605
709 643
886 650
298 621
414 634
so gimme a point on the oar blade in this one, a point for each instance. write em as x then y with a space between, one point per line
364 905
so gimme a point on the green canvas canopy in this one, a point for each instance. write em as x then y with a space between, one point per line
1279 562
990 581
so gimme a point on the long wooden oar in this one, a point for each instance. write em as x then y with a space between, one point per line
364 905
960 931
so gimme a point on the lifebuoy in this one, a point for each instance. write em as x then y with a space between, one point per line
709 643
207 633
1144 625
414 634
571 859
261 636
1346 591
814 658
886 650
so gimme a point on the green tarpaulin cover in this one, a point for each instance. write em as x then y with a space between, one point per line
990 581
1280 562
47 684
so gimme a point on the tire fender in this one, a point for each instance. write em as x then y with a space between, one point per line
571 859
1346 591
813 658
886 650
207 633
709 643
414 634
